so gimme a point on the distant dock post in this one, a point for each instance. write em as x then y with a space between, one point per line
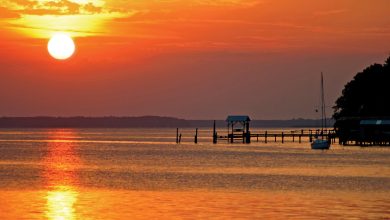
247 133
293 135
177 135
300 136
215 137
196 136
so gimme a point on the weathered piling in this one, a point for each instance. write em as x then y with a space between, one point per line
196 136
177 135
248 138
215 137
300 136
293 135
247 134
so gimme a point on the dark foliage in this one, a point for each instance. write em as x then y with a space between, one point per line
367 95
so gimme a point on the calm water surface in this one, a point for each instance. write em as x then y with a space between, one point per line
67 174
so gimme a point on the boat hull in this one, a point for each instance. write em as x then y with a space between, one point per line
320 144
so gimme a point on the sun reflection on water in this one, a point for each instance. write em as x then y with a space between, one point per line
60 204
61 163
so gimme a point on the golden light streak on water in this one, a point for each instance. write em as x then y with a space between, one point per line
60 165
60 204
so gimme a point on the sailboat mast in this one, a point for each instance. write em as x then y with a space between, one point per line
323 110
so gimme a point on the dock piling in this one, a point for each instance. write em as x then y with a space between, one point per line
196 136
215 137
177 135
293 135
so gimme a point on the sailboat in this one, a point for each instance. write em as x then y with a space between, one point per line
320 143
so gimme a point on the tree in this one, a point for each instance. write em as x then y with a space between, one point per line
367 95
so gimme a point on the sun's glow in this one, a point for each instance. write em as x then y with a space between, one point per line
60 204
61 46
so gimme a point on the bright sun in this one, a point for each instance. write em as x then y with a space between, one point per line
61 46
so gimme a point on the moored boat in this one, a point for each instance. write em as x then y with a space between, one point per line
321 143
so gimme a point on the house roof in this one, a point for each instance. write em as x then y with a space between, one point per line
238 118
375 122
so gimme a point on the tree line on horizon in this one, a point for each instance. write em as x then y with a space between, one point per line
140 122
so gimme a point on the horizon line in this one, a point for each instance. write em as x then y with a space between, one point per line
156 116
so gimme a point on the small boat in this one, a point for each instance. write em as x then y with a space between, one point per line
321 143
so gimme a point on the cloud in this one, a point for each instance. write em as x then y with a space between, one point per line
65 6
59 7
8 14
21 26
89 7
243 3
329 12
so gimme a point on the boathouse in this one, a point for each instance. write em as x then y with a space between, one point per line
375 131
369 131
238 128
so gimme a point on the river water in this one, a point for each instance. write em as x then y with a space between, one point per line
67 174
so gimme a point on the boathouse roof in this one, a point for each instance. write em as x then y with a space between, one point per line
238 118
375 122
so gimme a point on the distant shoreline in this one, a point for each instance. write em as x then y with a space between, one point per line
142 122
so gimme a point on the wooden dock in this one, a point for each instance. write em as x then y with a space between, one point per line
282 136
238 130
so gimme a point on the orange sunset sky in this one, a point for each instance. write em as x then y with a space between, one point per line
195 59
